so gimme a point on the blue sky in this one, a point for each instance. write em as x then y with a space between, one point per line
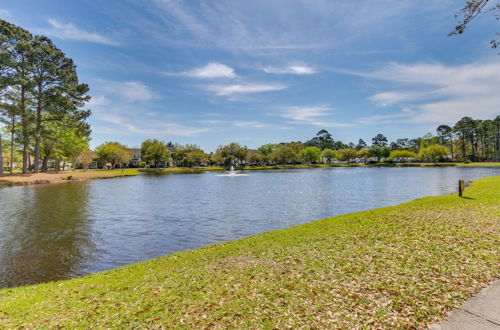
254 72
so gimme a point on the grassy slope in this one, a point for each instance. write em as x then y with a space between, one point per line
393 267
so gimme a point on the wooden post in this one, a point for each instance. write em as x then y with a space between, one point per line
461 187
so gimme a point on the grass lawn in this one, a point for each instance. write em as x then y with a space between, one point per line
396 267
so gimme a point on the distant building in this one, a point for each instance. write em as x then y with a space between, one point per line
135 157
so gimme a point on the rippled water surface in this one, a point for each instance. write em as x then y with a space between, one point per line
52 232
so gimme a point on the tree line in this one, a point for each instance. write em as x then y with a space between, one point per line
41 102
467 140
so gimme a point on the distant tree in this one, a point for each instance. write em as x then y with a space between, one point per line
113 152
310 154
196 157
70 144
445 134
433 152
267 149
466 130
256 158
284 154
154 151
361 144
402 154
86 158
379 140
329 155
471 10
379 151
233 153
346 154
322 140
400 144
363 153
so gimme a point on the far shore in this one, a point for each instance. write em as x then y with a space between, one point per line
53 177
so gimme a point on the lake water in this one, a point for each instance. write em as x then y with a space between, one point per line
52 232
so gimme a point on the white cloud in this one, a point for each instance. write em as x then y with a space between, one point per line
4 13
291 69
248 88
149 128
211 70
313 115
71 32
252 124
437 93
129 91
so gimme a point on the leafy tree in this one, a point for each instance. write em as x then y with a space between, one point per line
445 134
154 151
56 90
346 154
466 130
379 140
267 149
285 154
196 157
361 144
379 151
329 155
257 158
233 153
402 154
86 158
71 143
310 154
113 152
433 152
363 153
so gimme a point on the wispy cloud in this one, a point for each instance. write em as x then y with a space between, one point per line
210 71
291 69
4 13
128 91
436 93
151 128
247 88
311 115
69 31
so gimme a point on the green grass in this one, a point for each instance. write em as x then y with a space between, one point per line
394 267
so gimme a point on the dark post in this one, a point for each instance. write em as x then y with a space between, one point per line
461 187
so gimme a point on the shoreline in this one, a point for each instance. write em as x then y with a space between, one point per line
79 175
399 266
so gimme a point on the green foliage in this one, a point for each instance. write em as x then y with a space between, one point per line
347 154
113 152
379 151
310 154
402 154
86 158
154 152
285 154
433 152
232 154
329 155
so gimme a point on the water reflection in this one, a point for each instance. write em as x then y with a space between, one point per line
62 231
45 234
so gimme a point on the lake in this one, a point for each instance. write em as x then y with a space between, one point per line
53 232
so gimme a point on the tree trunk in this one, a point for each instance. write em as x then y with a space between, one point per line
12 131
24 122
45 164
1 155
38 131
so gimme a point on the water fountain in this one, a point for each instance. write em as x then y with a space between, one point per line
232 173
